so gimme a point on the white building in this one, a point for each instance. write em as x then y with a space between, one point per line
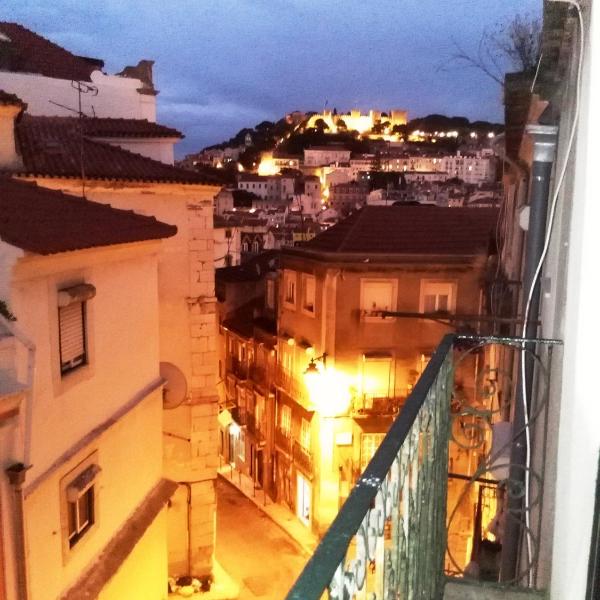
319 156
42 74
84 500
187 326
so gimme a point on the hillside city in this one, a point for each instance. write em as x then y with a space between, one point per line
343 354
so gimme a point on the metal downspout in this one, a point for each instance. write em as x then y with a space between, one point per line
16 476
16 473
544 139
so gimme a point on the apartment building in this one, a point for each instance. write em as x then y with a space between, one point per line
81 399
344 366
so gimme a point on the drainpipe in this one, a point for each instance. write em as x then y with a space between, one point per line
16 472
16 477
544 147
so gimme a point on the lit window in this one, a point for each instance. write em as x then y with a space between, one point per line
305 434
377 378
369 442
285 419
72 326
377 295
289 279
308 293
437 296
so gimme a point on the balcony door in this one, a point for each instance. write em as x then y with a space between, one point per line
303 499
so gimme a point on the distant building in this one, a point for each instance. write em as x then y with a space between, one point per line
318 156
346 197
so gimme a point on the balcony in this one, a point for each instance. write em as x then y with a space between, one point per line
292 386
238 368
283 440
258 374
364 406
412 530
302 458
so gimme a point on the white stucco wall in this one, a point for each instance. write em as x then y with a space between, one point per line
579 432
117 96
187 332
161 149
122 325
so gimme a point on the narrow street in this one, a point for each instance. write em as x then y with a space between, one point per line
255 552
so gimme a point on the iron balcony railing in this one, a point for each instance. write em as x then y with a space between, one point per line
442 489
364 406
302 458
389 538
283 440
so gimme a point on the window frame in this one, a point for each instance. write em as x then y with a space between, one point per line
290 277
285 420
364 313
81 482
452 289
307 277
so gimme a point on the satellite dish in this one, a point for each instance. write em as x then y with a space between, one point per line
175 388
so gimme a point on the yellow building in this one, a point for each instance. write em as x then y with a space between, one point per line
344 368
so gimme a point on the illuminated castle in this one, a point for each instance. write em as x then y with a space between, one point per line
354 120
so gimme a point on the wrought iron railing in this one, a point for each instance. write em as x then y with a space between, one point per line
302 457
364 406
448 452
389 538
283 440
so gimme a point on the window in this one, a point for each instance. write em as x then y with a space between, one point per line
72 326
308 294
245 247
369 442
285 419
79 490
305 434
377 295
255 246
377 377
437 296
289 282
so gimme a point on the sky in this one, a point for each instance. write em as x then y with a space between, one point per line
226 64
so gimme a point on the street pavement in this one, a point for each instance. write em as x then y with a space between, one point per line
253 550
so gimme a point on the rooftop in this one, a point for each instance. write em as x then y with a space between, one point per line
45 221
52 147
24 51
410 230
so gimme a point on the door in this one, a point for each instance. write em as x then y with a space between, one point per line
303 504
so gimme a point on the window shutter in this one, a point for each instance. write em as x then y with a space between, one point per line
72 336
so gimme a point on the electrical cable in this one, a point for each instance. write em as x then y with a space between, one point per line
552 214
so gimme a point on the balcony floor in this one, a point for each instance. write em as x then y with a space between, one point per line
476 590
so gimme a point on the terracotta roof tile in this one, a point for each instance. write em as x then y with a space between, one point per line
28 52
136 128
410 230
51 147
45 221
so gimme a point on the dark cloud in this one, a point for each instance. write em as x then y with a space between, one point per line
224 65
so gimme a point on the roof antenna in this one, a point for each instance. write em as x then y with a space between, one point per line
82 88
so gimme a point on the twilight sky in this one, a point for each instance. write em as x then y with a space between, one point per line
226 64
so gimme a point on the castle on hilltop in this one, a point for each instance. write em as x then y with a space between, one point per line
355 120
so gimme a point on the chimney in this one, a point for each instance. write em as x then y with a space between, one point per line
11 108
